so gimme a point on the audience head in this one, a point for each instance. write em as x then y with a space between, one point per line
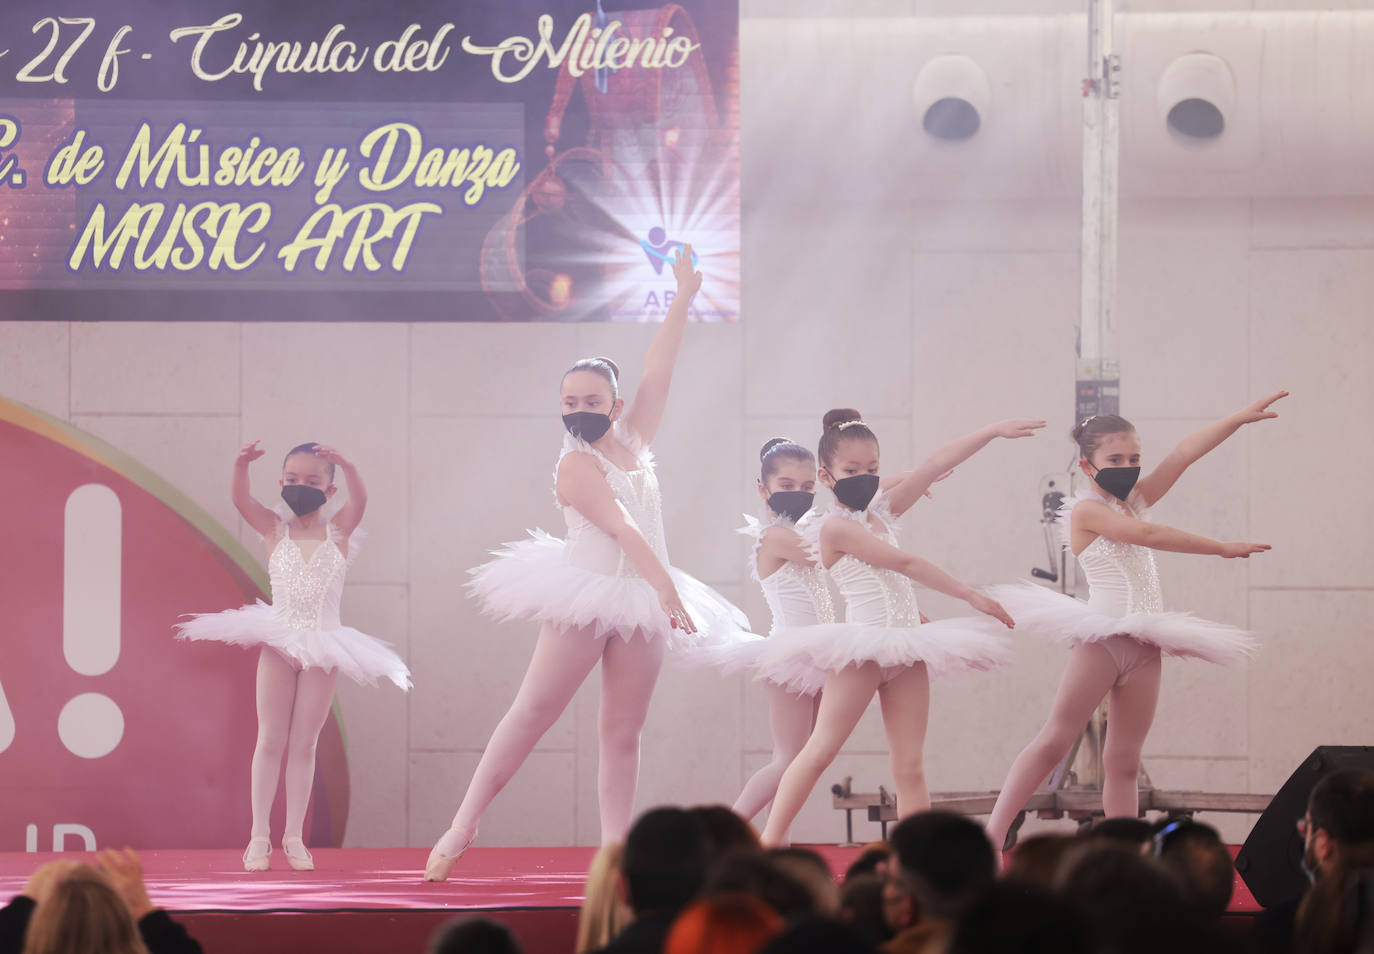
811 870
474 935
861 907
946 859
1036 860
1132 901
1135 832
81 911
1201 859
817 935
758 874
873 859
1340 821
664 863
603 913
725 831
1021 918
723 924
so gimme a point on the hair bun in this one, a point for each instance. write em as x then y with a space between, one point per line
615 368
840 415
771 443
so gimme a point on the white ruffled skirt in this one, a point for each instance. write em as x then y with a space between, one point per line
1063 619
792 656
530 579
746 656
353 653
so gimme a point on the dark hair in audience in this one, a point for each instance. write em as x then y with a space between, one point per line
1337 915
947 858
605 367
810 870
474 935
1036 860
775 451
841 424
1342 804
757 874
723 924
874 855
1134 903
308 448
1199 856
1130 831
1019 918
817 935
665 861
861 907
725 831
1088 433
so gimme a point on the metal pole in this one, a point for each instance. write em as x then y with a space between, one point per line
1098 374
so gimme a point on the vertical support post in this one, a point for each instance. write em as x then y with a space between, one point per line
1098 372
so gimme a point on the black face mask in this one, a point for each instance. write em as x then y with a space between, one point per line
587 425
302 499
791 504
856 492
1117 481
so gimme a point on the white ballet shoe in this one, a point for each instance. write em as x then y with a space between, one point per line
296 854
439 865
256 855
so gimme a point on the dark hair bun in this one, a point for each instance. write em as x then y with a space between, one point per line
1077 431
615 368
770 444
840 415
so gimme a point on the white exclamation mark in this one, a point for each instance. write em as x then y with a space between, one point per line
91 725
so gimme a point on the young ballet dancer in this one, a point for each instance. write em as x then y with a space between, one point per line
1118 634
303 646
882 647
607 594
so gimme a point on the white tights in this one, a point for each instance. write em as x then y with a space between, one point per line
791 717
562 660
905 700
292 707
1092 673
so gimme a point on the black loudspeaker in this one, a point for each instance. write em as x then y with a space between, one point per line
1270 861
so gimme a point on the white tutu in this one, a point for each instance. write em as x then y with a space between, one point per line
355 654
792 656
1056 616
530 579
745 656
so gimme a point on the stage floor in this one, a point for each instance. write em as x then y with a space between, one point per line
372 900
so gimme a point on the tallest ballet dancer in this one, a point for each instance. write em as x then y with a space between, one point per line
607 594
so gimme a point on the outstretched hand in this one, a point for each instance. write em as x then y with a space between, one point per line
125 872
249 452
331 455
688 278
1018 427
1230 551
678 617
1259 411
986 604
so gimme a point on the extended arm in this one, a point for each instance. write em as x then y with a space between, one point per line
1197 445
651 397
1100 519
916 482
259 517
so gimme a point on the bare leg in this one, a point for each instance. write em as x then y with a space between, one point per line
629 671
1090 673
276 693
906 712
314 694
1130 713
846 695
561 661
790 716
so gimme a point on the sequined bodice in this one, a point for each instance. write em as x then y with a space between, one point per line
872 596
306 593
590 547
1122 577
798 596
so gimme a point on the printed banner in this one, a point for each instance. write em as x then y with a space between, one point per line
496 161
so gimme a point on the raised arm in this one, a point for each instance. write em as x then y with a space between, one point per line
581 485
651 397
1093 517
351 513
846 536
1195 446
259 517
916 482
